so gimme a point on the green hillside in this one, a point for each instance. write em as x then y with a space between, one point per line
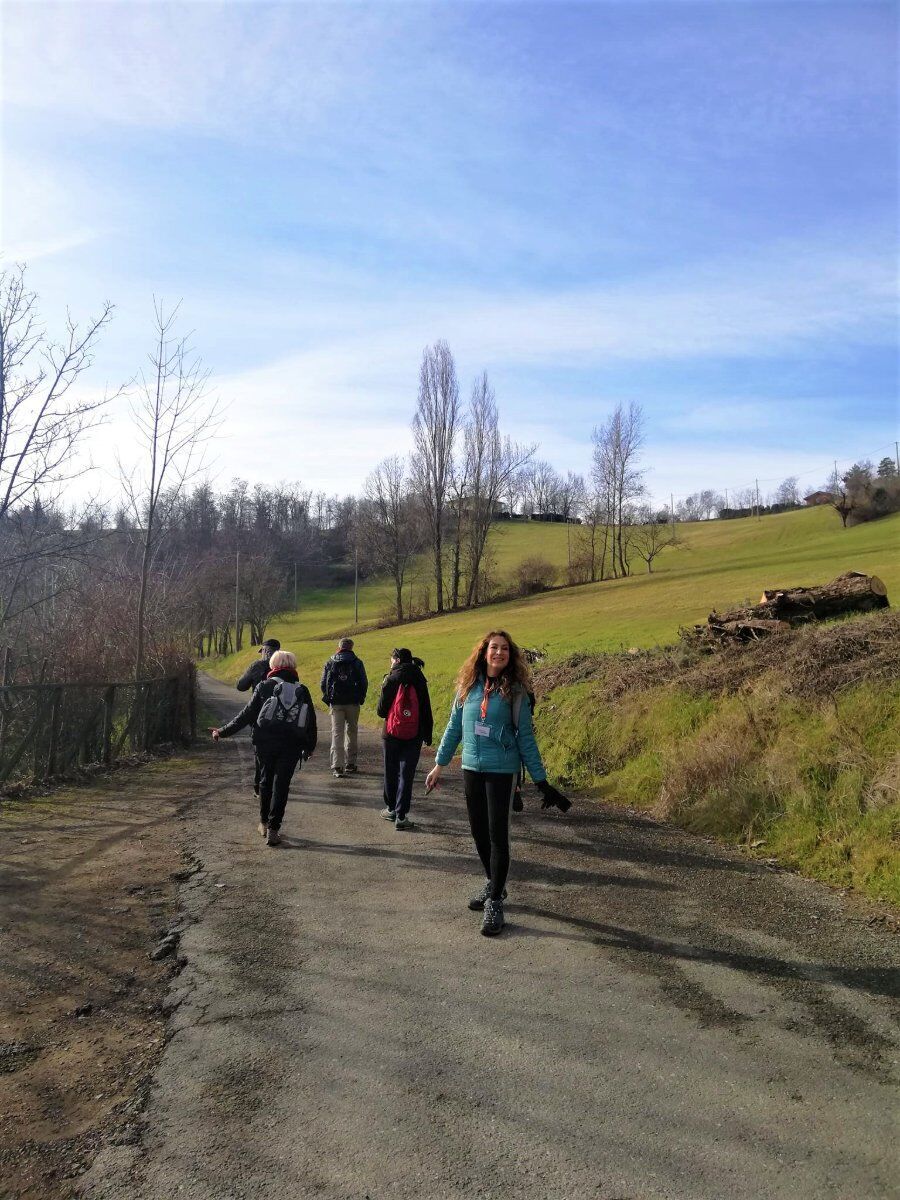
718 564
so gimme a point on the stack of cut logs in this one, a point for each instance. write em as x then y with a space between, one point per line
779 609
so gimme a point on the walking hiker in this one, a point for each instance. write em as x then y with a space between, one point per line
344 686
259 668
406 706
283 717
256 673
491 716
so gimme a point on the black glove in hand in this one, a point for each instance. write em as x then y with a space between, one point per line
553 797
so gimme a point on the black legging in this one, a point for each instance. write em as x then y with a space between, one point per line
488 798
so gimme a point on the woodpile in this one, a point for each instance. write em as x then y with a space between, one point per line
780 609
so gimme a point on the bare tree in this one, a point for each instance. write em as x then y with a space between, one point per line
392 522
434 431
618 481
262 592
174 419
626 430
649 536
492 460
572 495
544 485
40 423
459 502
787 492
590 540
690 508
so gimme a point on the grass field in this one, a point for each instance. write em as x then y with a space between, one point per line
717 565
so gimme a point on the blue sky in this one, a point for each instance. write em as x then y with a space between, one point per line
692 206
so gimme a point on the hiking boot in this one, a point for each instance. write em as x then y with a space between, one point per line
338 773
388 813
402 823
262 828
348 770
492 922
273 837
478 900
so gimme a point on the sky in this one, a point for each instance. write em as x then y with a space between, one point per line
691 206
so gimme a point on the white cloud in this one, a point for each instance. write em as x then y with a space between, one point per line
217 68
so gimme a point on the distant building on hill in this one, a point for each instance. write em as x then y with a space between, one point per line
815 498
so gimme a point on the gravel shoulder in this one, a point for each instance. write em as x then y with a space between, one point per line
661 1018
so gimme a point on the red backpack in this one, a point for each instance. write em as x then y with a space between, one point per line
403 719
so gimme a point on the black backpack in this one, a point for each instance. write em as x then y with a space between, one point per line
287 712
343 682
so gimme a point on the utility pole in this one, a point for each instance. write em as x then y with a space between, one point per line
672 507
356 585
758 513
726 497
295 587
897 455
237 595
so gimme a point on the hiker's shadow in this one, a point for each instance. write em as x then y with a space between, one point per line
875 981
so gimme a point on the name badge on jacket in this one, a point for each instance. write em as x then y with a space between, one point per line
482 730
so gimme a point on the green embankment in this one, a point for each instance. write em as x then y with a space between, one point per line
791 760
718 564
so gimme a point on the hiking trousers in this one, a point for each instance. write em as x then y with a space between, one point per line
488 799
344 725
401 757
276 769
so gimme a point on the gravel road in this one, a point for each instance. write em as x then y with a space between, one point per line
660 1018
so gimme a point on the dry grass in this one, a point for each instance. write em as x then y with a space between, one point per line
815 661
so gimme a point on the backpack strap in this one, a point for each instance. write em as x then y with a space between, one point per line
517 698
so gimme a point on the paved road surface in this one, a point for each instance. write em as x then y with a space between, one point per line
660 1018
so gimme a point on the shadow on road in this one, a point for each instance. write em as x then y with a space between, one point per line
876 981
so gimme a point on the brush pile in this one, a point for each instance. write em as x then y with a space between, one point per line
781 609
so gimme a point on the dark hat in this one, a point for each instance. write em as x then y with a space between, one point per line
272 643
402 655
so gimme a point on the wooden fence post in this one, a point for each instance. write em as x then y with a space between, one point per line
192 701
7 678
36 769
109 699
56 705
145 712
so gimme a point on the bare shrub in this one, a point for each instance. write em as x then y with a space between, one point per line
534 574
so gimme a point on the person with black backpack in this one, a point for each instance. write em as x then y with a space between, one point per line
344 686
283 717
406 706
256 673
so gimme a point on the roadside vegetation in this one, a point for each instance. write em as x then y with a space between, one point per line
788 747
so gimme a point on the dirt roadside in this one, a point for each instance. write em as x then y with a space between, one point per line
88 886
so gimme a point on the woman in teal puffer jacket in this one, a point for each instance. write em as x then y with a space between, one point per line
491 716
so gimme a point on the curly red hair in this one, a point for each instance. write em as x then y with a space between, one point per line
475 667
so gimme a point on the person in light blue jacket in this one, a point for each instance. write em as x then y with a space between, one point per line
491 717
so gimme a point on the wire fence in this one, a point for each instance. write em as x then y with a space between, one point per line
49 730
